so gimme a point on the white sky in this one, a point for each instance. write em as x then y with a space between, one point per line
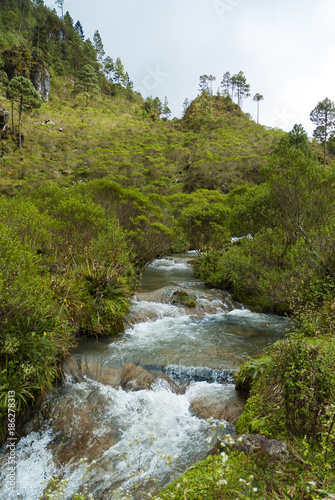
286 49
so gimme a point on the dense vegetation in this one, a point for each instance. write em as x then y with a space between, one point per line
96 182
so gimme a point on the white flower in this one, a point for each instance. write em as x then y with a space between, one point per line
224 457
254 490
222 481
241 480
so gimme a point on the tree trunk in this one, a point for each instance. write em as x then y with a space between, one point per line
20 112
257 111
13 116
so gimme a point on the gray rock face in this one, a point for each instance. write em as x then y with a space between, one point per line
4 118
41 81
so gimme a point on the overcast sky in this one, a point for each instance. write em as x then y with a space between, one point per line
285 48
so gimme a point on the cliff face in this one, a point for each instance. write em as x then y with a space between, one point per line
22 62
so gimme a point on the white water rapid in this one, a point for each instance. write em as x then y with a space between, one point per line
186 357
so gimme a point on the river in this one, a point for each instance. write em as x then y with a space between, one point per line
185 357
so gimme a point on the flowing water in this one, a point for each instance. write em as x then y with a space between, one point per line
187 355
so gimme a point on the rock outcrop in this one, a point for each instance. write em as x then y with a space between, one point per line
4 119
20 62
229 410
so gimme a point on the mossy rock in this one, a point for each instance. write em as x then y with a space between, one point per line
184 298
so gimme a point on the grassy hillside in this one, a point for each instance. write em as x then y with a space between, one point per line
115 138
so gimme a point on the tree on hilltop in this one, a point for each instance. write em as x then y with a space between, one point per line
323 115
242 88
206 84
258 97
226 84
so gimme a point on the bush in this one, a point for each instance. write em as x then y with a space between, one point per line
292 394
34 332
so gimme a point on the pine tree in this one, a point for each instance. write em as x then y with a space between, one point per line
108 70
79 29
323 115
206 84
97 43
87 83
3 78
242 88
166 110
120 77
257 98
22 91
226 84
186 105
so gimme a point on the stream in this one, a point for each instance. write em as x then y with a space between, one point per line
147 392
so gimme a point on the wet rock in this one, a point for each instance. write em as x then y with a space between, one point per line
250 443
103 374
135 378
81 428
184 298
4 118
229 410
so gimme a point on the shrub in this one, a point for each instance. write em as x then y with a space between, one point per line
292 395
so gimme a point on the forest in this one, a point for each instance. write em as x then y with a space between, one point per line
97 181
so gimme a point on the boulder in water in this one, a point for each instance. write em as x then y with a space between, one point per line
103 374
135 378
229 410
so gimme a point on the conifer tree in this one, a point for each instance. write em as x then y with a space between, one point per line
22 91
129 83
206 84
226 84
97 43
3 78
323 115
258 97
108 64
166 110
242 88
186 105
120 77
87 83
79 29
